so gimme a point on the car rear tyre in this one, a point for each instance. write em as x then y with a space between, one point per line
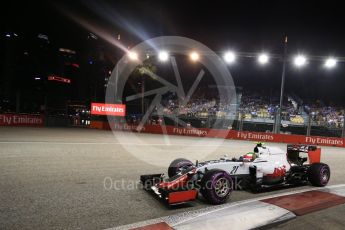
319 174
178 165
216 186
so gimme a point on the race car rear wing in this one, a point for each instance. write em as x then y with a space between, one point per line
301 148
314 153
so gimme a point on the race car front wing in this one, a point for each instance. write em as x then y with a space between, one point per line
172 191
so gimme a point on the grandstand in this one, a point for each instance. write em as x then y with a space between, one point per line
256 112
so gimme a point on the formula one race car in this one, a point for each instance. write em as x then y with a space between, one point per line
265 167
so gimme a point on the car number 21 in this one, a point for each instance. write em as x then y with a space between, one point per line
234 169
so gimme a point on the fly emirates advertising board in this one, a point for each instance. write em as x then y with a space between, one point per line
118 110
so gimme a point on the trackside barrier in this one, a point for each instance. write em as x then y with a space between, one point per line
12 119
227 134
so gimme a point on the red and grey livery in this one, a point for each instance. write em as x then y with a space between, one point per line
265 167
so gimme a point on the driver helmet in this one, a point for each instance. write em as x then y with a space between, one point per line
250 156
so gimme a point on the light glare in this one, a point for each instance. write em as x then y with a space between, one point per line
300 60
263 58
229 57
132 55
194 56
330 63
163 56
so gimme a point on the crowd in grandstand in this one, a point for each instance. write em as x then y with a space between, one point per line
258 105
253 105
326 115
203 103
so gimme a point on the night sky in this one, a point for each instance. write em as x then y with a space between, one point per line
244 26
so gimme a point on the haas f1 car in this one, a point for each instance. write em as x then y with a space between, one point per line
265 167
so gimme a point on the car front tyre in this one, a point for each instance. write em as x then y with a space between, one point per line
216 186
